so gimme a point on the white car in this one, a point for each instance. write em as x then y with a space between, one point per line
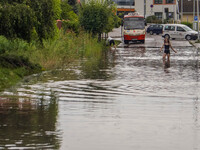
179 31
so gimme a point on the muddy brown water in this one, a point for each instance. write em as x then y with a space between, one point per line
127 100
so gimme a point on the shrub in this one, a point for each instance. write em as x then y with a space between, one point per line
71 25
8 46
70 20
4 44
187 24
74 5
97 16
94 17
17 21
150 19
46 12
153 19
117 21
25 18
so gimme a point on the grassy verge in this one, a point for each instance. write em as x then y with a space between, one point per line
61 51
13 68
19 58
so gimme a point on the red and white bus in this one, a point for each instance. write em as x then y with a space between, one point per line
133 28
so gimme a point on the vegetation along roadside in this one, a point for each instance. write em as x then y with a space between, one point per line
30 41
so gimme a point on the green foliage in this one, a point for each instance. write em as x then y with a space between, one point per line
96 16
5 43
14 62
10 77
27 18
113 22
17 21
72 25
72 2
54 53
14 1
19 58
93 17
13 68
66 9
153 19
56 9
117 21
64 50
70 20
46 12
74 5
121 15
7 46
187 24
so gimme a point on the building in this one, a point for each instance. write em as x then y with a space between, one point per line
162 9
125 6
189 10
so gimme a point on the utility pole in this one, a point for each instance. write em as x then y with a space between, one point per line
198 18
181 10
144 8
194 1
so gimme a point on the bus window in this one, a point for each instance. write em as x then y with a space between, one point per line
134 23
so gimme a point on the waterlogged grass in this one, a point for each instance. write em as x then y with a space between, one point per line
13 68
61 51
50 55
9 77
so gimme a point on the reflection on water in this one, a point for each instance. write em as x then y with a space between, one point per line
166 64
27 124
129 99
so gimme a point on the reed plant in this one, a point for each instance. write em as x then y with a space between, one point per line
34 57
65 50
55 53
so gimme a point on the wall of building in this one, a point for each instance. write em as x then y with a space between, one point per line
139 6
187 18
161 8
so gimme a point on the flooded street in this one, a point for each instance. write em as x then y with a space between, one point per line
128 100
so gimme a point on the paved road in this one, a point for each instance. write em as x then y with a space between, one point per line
153 41
128 100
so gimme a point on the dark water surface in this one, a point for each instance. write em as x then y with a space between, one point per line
128 100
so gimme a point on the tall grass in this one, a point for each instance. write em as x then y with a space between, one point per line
28 58
55 53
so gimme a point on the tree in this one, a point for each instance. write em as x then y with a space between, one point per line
23 18
70 19
95 16
46 12
17 21
74 5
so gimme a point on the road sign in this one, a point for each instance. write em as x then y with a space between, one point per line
195 18
151 6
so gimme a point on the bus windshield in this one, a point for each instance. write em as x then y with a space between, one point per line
134 23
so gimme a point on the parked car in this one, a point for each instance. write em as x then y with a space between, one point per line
179 31
155 28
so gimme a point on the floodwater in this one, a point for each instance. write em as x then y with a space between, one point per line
128 100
